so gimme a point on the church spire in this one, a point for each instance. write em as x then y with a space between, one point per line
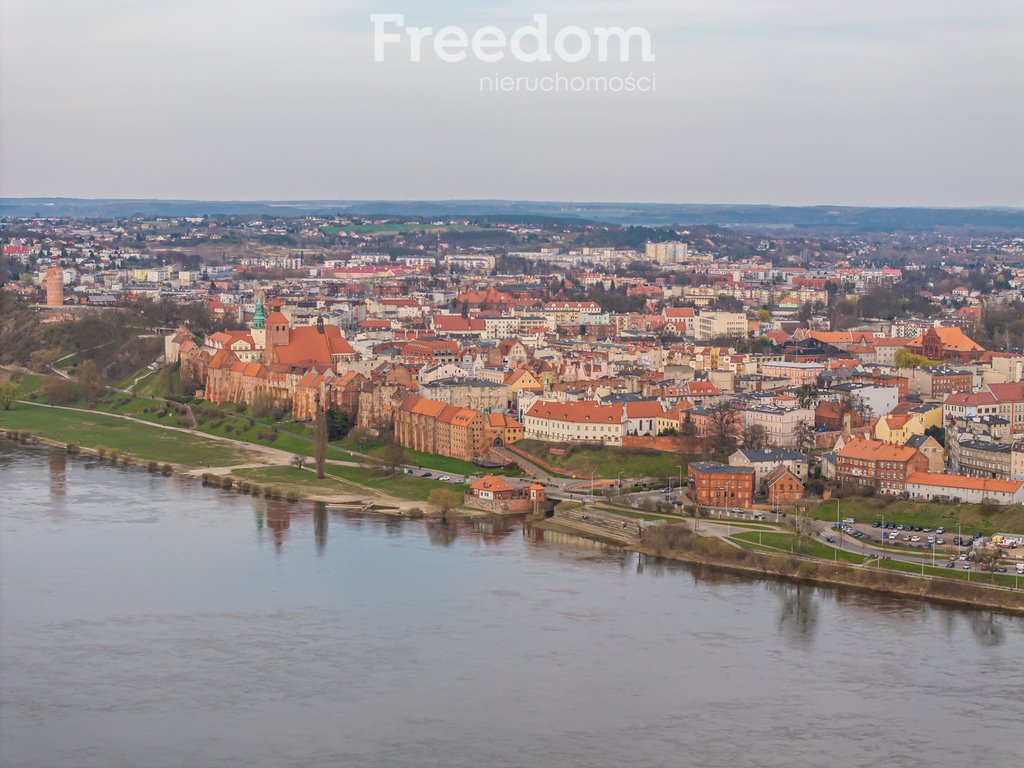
258 318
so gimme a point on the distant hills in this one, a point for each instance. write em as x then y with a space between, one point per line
760 217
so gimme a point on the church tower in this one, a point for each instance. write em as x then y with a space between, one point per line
278 333
259 325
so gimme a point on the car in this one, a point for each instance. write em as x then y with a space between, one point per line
736 511
876 524
967 566
963 556
931 539
951 564
666 490
915 538
906 537
899 527
940 541
1000 568
427 474
444 478
927 530
917 528
849 520
830 539
986 567
940 530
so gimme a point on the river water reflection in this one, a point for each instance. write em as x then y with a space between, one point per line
148 621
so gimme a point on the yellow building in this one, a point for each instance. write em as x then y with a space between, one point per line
898 428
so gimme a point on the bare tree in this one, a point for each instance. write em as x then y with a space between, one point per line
723 430
755 437
803 436
320 440
393 457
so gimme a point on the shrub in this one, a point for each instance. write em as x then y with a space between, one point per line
101 451
154 467
806 570
113 455
167 470
226 483
61 391
292 496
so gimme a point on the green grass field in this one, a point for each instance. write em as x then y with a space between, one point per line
350 481
430 461
401 486
971 517
608 461
784 541
981 577
138 440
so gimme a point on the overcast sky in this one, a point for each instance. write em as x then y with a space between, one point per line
861 102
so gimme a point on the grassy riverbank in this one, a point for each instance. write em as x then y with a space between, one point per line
679 543
143 442
350 481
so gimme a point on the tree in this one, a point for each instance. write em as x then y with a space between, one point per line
806 395
687 428
857 404
263 405
904 358
60 391
939 433
803 436
298 461
338 424
723 430
445 500
91 379
755 437
360 436
393 457
320 440
8 394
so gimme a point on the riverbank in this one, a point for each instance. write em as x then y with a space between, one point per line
678 542
346 485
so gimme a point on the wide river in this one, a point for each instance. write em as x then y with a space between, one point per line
148 621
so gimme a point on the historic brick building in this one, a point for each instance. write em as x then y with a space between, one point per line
433 427
879 466
950 345
719 485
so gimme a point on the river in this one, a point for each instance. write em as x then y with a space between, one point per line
147 621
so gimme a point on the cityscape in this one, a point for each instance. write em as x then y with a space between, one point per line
441 427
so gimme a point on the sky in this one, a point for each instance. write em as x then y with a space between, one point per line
788 102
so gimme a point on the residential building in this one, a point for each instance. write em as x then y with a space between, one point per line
874 465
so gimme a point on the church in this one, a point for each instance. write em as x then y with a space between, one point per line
292 365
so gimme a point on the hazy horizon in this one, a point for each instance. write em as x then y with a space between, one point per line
758 102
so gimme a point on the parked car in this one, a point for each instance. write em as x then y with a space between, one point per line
444 478
427 474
